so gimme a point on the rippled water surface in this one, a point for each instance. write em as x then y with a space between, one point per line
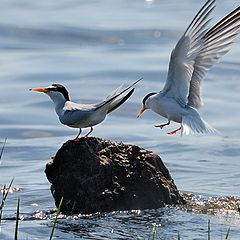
91 47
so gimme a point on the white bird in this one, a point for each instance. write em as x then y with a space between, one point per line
80 116
195 53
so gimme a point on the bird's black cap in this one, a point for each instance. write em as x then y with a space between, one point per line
60 88
147 96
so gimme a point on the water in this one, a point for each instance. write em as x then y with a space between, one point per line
91 47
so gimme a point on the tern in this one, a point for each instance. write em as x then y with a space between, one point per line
199 48
77 115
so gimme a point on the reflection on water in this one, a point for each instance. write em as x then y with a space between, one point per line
91 47
136 224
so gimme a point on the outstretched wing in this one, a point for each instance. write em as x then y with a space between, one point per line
216 42
196 52
184 55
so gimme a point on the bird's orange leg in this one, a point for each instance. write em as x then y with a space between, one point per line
88 133
162 125
175 131
76 138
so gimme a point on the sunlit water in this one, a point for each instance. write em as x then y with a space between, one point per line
93 47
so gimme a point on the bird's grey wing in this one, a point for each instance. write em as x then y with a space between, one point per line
71 106
216 42
183 56
75 113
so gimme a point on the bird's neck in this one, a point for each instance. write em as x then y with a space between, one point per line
59 108
59 105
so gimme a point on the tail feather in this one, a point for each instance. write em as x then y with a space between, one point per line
114 105
116 93
193 123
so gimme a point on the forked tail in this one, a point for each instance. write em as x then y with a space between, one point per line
193 123
117 103
116 93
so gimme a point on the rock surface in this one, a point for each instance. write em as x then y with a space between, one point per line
96 175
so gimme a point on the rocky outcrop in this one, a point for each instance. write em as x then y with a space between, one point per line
96 175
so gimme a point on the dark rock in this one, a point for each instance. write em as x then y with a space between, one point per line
96 175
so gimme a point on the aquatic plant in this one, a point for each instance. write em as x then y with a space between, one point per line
154 233
228 233
17 219
209 230
55 221
5 192
4 144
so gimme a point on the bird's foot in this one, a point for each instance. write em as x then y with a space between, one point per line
160 126
76 139
175 131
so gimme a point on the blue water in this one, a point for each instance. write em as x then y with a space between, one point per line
92 47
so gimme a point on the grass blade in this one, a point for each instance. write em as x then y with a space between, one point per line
55 221
153 234
7 190
228 233
17 220
2 202
4 197
1 153
209 229
154 231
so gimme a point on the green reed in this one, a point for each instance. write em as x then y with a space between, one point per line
4 144
17 219
56 218
228 233
5 192
209 230
154 232
178 236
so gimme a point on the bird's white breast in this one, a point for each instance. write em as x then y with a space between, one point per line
168 108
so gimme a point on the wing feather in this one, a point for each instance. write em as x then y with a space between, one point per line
183 56
197 51
72 106
216 43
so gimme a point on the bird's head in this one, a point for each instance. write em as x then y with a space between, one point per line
56 92
145 101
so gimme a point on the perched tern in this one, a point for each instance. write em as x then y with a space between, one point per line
80 116
195 53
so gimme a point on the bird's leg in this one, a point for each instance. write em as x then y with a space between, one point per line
76 138
175 131
162 125
88 133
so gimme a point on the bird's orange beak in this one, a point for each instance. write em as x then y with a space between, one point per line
45 90
141 112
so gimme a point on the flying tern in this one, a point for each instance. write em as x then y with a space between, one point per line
77 115
195 53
